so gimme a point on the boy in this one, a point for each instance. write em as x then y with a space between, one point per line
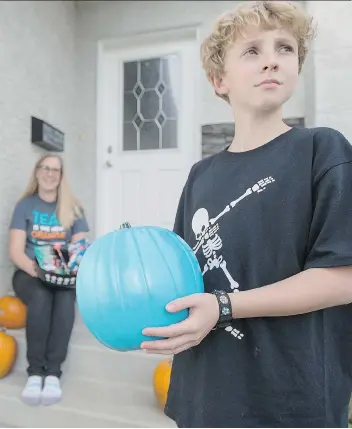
270 220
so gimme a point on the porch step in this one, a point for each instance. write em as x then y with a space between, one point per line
85 403
101 388
89 358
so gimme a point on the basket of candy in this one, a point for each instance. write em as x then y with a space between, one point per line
57 265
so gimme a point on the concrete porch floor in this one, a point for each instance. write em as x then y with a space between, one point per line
102 388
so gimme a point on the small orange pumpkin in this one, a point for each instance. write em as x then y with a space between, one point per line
13 312
8 353
161 381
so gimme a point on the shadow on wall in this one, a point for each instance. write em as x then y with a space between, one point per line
216 137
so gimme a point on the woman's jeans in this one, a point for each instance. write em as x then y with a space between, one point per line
50 318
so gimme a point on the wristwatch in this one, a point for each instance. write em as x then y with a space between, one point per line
225 309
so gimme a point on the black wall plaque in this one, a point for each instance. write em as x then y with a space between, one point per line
46 136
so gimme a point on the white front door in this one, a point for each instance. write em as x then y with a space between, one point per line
148 133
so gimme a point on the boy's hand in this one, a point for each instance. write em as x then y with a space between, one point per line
203 316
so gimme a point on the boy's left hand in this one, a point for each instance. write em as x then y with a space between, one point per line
203 316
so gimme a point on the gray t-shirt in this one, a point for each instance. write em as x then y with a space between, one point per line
38 219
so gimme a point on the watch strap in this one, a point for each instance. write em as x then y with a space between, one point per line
225 308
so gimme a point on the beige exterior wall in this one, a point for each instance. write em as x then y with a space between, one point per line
332 61
37 78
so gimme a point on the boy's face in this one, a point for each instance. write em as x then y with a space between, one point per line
261 70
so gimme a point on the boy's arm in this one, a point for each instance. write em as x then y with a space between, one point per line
326 277
310 290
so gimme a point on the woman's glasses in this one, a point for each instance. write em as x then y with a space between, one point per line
48 169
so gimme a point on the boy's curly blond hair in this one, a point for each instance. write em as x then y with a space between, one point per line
268 15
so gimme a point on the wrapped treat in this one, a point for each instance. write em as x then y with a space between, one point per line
46 258
76 251
58 249
58 265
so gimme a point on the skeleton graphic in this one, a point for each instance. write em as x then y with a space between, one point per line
206 232
211 243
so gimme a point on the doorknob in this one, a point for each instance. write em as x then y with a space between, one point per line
108 164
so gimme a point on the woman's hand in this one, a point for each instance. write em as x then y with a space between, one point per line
31 269
17 254
203 316
78 237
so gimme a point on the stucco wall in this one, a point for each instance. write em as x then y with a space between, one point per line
332 59
37 77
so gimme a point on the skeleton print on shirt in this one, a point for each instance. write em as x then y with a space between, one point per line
208 235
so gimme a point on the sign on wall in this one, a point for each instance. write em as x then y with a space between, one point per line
46 136
216 137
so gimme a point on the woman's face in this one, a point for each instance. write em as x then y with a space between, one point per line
49 174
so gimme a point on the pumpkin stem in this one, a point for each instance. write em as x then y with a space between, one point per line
125 225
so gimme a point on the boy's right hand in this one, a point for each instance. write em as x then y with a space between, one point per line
203 316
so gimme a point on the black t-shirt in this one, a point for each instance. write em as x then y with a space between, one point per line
266 215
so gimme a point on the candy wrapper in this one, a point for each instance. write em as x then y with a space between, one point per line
59 260
76 251
48 260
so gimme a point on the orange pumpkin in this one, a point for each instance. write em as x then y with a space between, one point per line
8 353
13 312
161 380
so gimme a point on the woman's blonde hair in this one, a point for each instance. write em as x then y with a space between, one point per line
68 207
267 15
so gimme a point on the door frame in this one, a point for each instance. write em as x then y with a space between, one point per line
109 46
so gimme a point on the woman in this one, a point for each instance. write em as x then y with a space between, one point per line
47 213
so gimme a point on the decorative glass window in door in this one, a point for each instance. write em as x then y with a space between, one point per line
150 108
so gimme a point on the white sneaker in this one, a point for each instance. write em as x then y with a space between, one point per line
32 391
51 393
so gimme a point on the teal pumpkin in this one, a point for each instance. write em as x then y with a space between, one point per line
127 277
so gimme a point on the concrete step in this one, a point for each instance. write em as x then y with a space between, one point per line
85 403
88 358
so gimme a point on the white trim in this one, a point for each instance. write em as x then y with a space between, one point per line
175 34
140 40
98 199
